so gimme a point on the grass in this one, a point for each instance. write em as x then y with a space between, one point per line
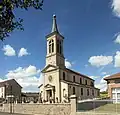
103 94
108 108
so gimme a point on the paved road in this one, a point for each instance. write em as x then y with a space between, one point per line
1 113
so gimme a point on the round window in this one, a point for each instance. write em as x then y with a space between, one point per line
50 78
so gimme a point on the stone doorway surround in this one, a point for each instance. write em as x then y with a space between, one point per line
50 93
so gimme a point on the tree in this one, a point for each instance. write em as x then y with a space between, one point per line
8 21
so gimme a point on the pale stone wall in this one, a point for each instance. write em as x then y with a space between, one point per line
55 82
69 80
40 109
54 58
64 92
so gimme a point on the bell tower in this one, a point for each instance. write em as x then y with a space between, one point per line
55 54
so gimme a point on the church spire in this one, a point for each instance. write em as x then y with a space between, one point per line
54 26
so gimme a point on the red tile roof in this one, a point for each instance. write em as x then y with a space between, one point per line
114 76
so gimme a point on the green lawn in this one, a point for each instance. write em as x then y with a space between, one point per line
108 108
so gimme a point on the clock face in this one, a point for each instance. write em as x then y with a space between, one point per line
50 78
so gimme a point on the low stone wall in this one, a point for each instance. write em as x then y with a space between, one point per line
40 109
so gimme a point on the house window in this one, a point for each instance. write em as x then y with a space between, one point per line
87 91
73 78
108 82
92 84
85 82
80 80
73 90
63 75
98 93
93 92
81 91
117 81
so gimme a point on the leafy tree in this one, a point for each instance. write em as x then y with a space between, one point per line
8 21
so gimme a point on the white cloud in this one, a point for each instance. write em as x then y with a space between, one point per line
117 40
23 72
100 60
8 50
103 73
116 7
68 64
102 85
23 52
117 59
28 77
94 77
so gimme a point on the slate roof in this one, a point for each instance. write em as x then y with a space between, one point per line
30 94
9 82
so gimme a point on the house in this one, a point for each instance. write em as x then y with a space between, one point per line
29 97
113 87
61 82
10 88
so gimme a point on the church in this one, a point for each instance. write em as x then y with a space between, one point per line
61 82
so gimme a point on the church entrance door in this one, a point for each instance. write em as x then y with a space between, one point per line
49 95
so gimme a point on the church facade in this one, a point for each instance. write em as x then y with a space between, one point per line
59 81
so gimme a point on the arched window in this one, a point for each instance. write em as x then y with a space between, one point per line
81 91
87 91
73 90
51 46
58 46
73 78
63 75
85 82
92 92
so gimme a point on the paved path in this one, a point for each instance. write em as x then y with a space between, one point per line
1 113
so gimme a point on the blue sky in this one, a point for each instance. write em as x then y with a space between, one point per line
91 45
